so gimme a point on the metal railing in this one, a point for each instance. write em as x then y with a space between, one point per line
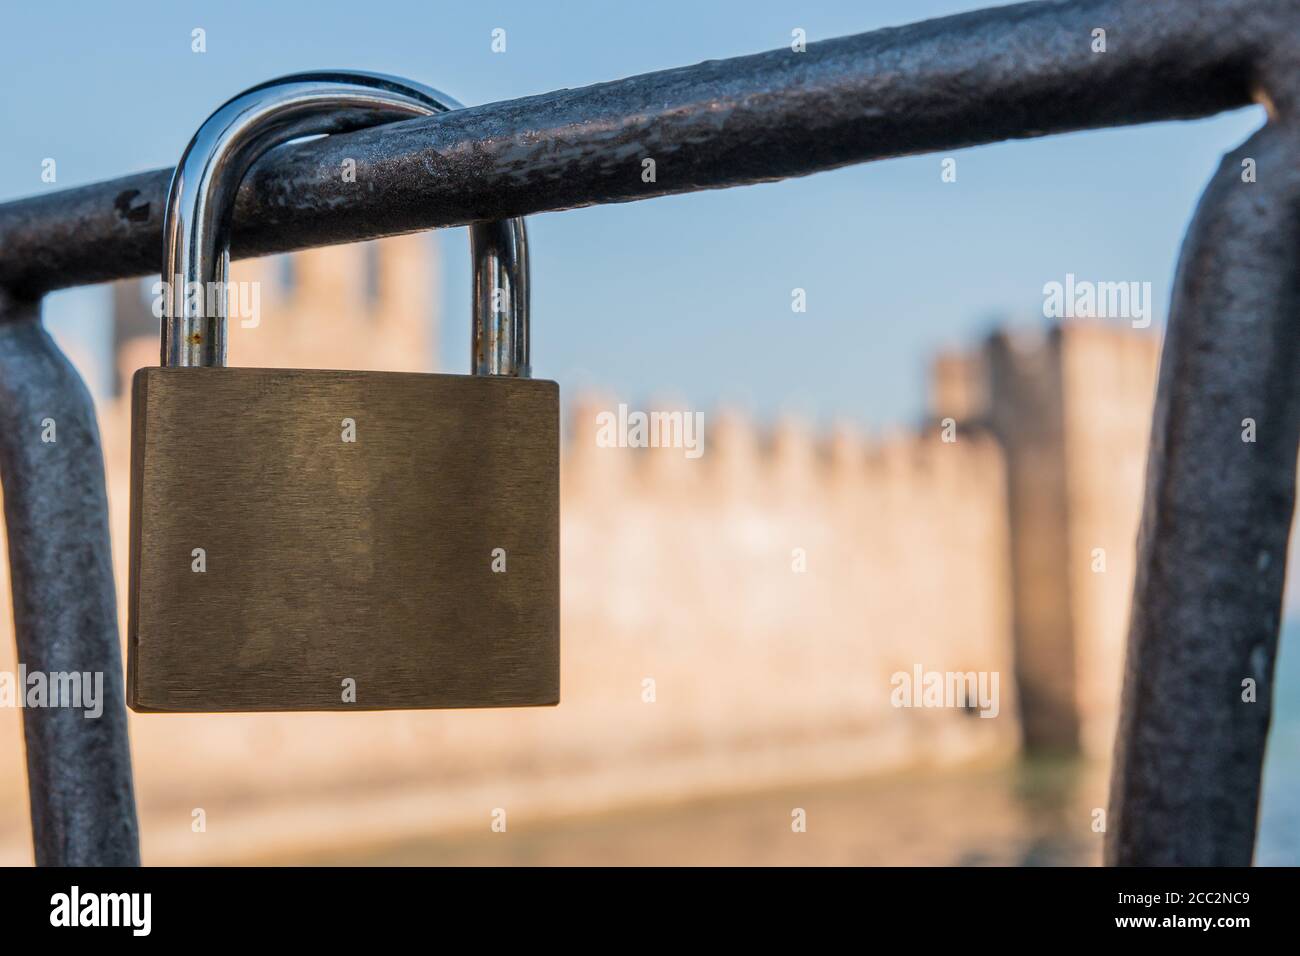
1212 547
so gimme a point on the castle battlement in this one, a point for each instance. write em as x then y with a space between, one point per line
789 457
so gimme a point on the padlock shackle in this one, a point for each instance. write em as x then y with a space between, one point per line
200 207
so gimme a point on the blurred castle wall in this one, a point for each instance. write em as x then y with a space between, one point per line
1071 410
729 622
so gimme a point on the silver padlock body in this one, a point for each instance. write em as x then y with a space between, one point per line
339 540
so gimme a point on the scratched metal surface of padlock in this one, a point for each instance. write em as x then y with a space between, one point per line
337 540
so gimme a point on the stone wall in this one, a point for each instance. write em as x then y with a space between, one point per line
1071 409
729 622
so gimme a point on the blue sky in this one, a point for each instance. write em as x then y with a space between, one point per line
686 296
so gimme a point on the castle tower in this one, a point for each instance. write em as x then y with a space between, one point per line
1071 409
959 387
1025 413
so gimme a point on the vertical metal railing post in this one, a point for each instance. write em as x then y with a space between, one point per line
65 606
1212 552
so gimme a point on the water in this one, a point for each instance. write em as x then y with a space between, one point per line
1034 814
1030 813
1279 824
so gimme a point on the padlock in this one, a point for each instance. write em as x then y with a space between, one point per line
336 540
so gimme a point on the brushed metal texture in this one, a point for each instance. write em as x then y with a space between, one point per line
328 560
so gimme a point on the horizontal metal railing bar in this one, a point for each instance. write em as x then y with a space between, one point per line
981 77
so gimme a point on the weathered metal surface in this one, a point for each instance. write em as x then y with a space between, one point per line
327 560
1007 72
1212 551
65 608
